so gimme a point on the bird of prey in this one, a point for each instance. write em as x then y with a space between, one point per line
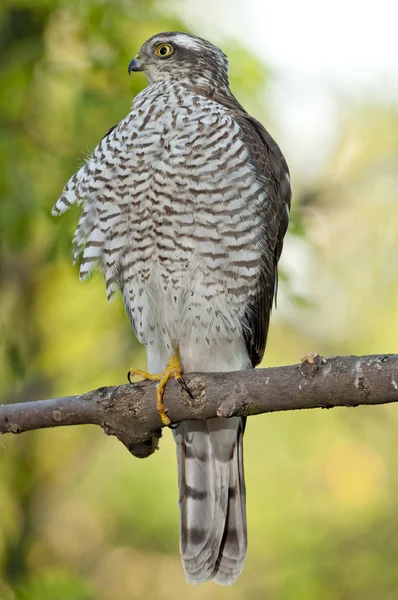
185 204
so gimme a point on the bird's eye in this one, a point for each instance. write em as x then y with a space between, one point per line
164 50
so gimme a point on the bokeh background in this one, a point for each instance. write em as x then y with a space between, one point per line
81 519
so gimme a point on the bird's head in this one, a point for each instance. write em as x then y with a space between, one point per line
181 57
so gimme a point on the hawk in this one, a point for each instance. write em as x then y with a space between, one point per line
185 204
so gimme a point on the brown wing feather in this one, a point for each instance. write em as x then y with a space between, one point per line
273 173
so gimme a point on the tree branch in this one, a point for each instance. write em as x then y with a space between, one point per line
129 411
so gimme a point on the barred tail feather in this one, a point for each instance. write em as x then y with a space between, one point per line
234 544
213 536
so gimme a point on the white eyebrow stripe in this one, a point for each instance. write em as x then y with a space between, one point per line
186 41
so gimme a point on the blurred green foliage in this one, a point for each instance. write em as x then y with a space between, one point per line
80 518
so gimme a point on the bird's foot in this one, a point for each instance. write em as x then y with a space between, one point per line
173 369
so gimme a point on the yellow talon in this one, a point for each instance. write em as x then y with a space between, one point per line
173 369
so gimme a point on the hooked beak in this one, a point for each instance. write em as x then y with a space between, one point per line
136 64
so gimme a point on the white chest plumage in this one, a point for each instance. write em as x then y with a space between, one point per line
169 213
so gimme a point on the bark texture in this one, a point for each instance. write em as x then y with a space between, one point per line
129 411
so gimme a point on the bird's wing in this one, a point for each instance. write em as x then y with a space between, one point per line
273 174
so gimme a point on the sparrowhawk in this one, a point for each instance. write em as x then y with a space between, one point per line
185 204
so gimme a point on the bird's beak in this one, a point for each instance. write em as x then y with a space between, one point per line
136 64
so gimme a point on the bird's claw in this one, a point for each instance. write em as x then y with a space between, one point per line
173 369
184 386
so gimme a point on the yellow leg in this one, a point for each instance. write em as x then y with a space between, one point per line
173 369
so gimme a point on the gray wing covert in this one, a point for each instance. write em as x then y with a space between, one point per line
273 174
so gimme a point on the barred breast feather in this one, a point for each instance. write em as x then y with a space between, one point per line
168 203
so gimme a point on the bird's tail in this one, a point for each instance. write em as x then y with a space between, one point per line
213 533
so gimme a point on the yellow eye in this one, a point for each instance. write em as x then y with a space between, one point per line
164 50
